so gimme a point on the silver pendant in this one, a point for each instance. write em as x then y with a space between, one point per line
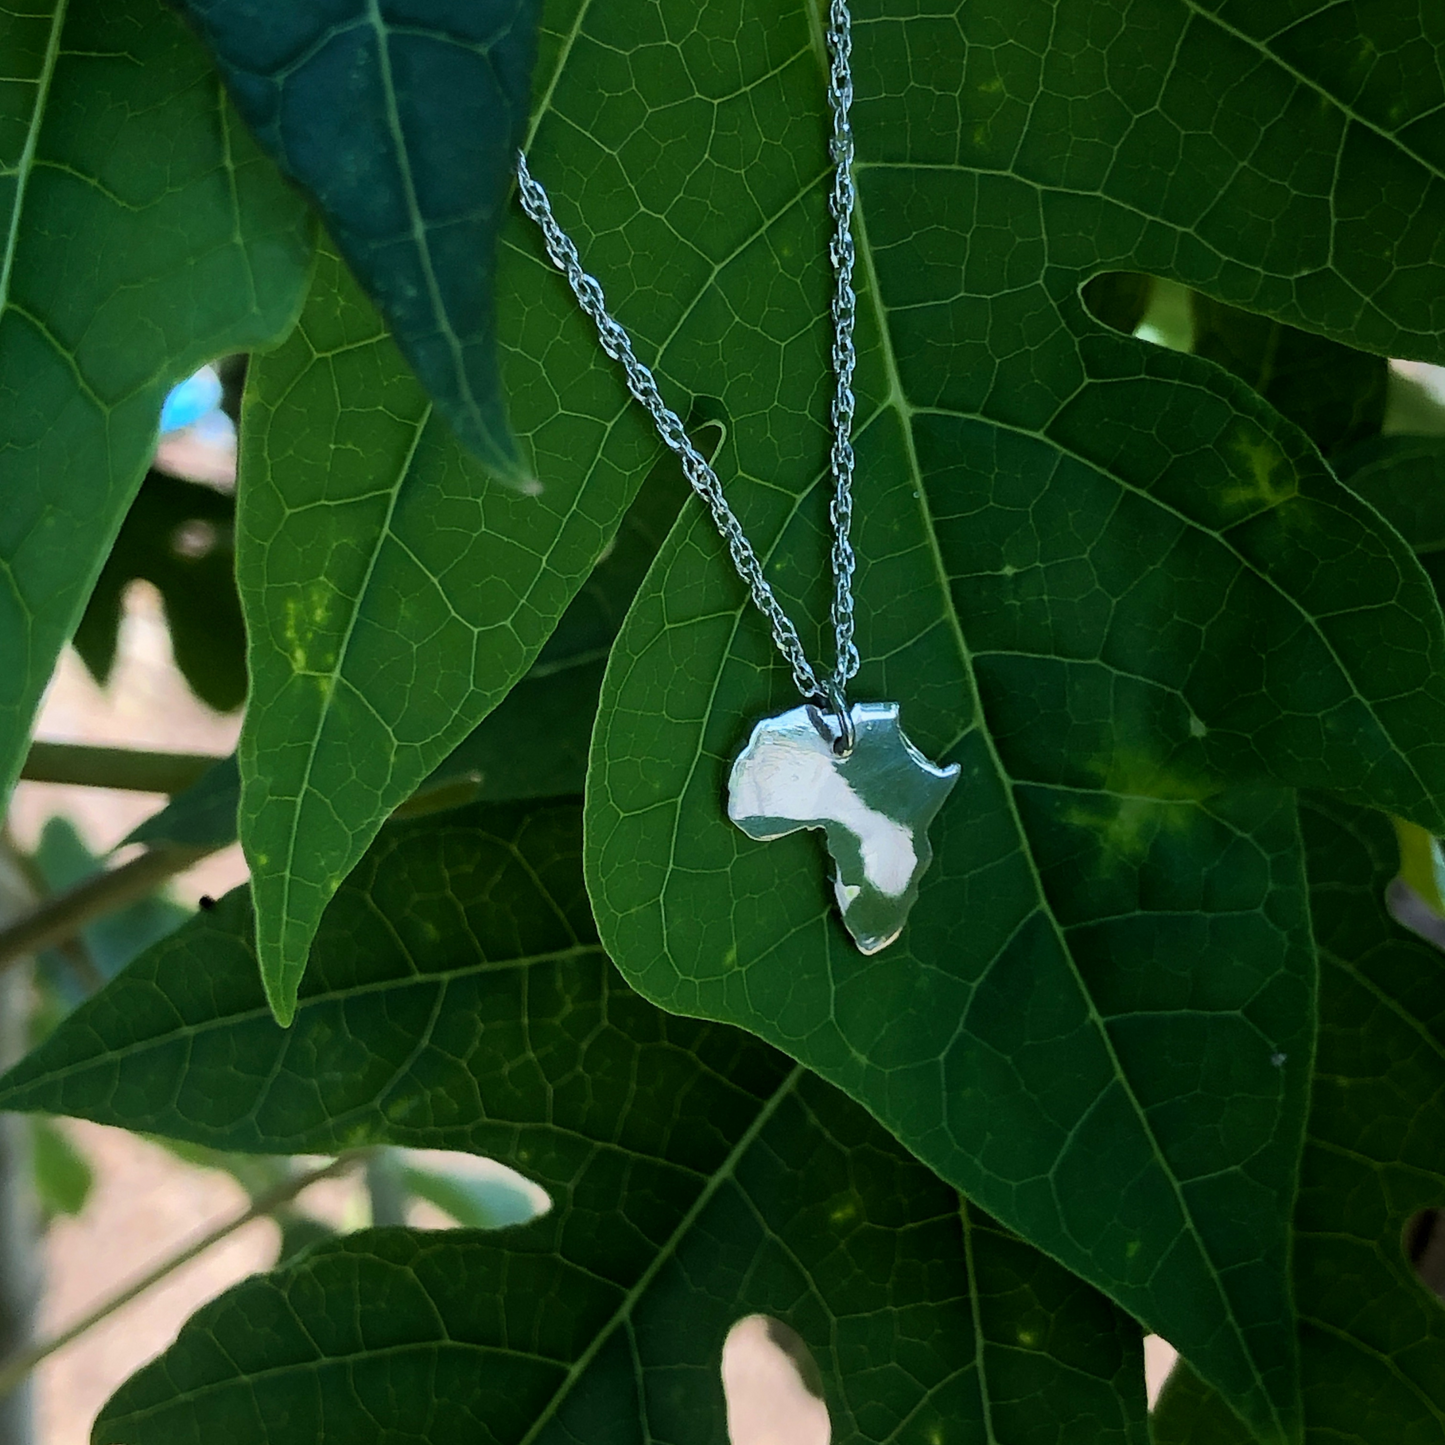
873 799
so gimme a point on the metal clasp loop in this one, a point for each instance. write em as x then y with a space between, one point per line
830 714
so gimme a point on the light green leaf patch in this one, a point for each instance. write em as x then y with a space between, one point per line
141 233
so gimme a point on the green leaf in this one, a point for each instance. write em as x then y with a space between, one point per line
403 122
63 1176
535 744
1372 1336
1107 580
1334 393
393 591
458 999
203 814
144 233
180 537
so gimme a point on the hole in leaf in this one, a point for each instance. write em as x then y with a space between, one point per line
448 1190
773 1386
1147 307
1424 1243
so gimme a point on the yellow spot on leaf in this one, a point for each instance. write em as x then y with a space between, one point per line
1264 479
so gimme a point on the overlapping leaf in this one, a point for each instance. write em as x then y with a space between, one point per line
143 234
1105 579
394 590
1372 1336
402 119
534 745
458 998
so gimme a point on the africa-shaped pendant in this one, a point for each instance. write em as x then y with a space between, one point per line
874 803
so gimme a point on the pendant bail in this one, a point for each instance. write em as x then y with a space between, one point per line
838 730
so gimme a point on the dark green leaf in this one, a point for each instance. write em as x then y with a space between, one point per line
181 537
394 592
1372 1337
204 814
1106 579
63 1176
403 120
535 744
1334 393
458 999
145 233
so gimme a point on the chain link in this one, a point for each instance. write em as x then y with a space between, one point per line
703 480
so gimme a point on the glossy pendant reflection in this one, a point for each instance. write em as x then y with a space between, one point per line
874 805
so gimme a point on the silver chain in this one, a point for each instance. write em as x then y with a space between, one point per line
643 386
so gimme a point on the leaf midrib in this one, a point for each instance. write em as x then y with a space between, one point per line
980 722
442 979
1262 48
323 713
420 238
897 398
25 167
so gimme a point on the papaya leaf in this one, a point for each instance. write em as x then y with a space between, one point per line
1371 1334
394 591
402 120
144 234
1108 580
458 999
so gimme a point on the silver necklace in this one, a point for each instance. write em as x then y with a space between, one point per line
847 769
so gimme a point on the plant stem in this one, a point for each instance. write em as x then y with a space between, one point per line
130 768
63 915
14 1370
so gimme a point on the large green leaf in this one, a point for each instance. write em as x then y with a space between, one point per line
458 999
403 121
394 591
1105 579
1372 1336
143 234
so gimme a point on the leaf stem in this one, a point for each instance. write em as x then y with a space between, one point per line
133 769
63 915
14 1370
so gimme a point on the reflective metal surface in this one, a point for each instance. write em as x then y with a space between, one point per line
874 807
